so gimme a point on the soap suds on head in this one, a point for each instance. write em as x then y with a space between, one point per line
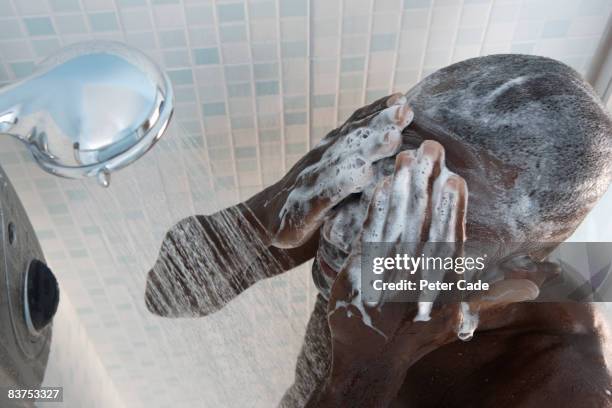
542 139
535 119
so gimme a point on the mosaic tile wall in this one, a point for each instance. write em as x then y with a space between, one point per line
258 82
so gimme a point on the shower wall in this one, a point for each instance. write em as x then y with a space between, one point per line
258 83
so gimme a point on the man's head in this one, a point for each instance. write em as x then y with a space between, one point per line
530 137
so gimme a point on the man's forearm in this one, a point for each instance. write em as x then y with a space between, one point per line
207 260
259 215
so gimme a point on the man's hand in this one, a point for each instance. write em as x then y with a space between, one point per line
374 344
200 268
340 165
422 202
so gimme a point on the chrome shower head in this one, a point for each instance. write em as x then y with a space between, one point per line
90 109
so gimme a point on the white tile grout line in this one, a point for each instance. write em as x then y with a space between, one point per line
486 27
451 58
157 167
337 98
426 42
226 101
400 21
53 16
308 74
27 37
247 14
279 55
366 65
308 304
86 19
160 62
9 74
199 103
120 20
516 23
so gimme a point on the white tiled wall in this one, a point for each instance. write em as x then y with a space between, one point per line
258 82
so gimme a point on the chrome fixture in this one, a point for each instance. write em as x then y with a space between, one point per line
88 110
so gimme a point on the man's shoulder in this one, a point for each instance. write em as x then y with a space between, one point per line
560 362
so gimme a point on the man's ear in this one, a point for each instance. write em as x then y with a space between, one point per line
503 293
522 280
524 267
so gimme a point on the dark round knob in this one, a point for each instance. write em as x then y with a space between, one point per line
42 294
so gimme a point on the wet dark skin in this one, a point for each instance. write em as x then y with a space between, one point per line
522 355
291 243
528 355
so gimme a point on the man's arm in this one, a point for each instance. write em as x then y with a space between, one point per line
205 261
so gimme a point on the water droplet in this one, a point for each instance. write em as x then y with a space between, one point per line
465 336
469 323
104 178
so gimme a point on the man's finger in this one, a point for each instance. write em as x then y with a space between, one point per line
449 204
397 116
345 168
505 292
364 112
525 268
446 233
430 159
374 223
397 214
344 223
376 106
381 145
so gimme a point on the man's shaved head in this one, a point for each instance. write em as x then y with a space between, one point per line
527 133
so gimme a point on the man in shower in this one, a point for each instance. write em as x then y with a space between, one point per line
527 141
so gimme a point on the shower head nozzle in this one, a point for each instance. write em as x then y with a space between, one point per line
90 109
